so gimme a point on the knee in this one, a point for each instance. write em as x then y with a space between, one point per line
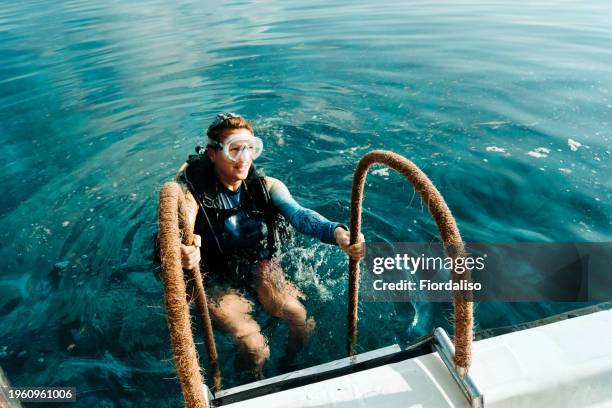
293 311
254 348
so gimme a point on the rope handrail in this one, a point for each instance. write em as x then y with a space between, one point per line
202 304
450 236
174 229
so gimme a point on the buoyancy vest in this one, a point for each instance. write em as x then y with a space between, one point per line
254 202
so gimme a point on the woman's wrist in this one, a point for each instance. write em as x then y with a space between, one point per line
338 230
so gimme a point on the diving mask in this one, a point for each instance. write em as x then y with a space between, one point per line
239 145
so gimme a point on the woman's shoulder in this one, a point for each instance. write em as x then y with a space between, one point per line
272 182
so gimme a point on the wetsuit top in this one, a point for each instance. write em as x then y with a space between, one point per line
305 220
244 235
239 230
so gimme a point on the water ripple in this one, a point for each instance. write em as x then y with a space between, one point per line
100 102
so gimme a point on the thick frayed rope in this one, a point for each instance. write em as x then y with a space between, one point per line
173 221
450 236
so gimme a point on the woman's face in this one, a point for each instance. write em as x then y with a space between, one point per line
232 171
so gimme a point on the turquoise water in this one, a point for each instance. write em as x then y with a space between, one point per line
506 107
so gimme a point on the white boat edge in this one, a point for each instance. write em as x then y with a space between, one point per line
561 361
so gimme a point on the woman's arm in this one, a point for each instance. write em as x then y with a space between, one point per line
304 220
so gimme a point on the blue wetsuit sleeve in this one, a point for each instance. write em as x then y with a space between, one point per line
304 220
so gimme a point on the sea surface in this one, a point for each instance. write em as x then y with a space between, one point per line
506 106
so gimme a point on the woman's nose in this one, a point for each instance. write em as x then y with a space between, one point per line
244 156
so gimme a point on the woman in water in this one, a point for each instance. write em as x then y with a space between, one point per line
236 239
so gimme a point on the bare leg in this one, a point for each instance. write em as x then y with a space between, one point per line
231 313
280 299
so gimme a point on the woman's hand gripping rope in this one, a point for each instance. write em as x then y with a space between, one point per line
190 255
343 238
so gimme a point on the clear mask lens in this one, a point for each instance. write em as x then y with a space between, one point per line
245 148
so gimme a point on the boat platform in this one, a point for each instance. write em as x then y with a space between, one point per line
552 362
